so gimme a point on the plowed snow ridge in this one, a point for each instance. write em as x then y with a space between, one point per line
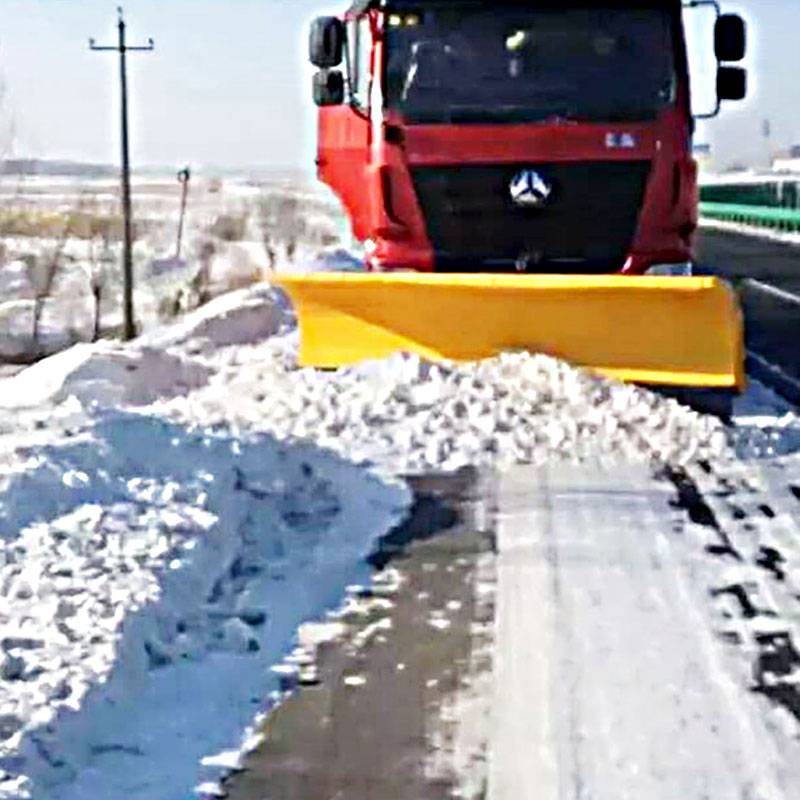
405 415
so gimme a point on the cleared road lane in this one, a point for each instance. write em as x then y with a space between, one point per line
613 679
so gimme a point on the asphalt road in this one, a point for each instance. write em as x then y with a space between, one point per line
772 320
388 736
739 257
625 665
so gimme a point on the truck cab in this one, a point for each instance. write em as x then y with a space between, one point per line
547 137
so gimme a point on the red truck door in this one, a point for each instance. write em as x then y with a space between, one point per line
344 131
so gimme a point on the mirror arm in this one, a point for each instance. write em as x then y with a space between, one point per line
701 3
714 113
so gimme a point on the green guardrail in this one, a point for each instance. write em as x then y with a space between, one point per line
782 219
776 193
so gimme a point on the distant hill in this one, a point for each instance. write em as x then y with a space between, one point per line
36 166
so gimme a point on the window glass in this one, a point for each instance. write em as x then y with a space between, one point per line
524 63
361 85
352 56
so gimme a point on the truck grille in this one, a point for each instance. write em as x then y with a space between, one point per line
587 224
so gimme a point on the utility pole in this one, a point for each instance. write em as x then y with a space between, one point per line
127 258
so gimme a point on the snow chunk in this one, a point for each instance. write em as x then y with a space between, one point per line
106 373
246 316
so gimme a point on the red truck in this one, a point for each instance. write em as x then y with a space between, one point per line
502 136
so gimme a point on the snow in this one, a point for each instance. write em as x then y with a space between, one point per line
16 322
405 415
282 223
144 564
240 317
14 281
625 621
173 510
766 426
106 374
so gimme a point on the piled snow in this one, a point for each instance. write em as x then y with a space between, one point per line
67 314
237 264
141 564
406 415
15 282
155 366
16 325
241 317
104 373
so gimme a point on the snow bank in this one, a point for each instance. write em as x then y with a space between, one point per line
406 415
104 373
16 328
157 365
237 264
245 316
62 323
67 314
15 282
149 576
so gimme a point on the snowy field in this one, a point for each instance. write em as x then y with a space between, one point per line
60 273
172 510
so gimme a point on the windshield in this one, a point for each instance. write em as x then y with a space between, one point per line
465 64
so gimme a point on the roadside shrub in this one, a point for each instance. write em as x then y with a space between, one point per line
229 227
54 225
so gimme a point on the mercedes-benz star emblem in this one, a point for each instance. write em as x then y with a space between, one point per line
528 188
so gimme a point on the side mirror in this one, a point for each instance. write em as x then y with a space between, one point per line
731 83
730 38
328 88
326 42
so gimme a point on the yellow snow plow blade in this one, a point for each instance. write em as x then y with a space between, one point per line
668 331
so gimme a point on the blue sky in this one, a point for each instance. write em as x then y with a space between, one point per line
228 83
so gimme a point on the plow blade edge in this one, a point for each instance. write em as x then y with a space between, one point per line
665 331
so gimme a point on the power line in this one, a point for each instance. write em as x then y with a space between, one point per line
127 259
